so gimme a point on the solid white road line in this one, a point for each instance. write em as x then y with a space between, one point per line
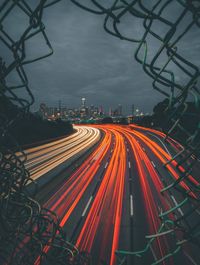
190 258
153 253
197 211
86 207
166 149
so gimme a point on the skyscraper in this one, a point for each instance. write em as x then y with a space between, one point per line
110 111
133 109
83 102
120 110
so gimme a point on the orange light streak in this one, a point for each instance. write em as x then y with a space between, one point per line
110 193
164 157
74 188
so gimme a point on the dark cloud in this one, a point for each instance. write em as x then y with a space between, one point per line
87 62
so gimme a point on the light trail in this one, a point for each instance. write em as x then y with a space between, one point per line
101 181
65 200
44 158
106 209
163 156
177 146
145 169
67 197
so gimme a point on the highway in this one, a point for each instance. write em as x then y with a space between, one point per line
44 158
113 200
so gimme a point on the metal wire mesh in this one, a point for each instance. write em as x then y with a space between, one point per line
29 234
26 229
161 64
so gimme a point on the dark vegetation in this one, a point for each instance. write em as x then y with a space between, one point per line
119 120
29 128
107 120
163 119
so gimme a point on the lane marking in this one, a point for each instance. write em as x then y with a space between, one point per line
166 149
153 163
129 164
143 149
153 253
86 207
106 165
198 212
190 258
127 150
175 202
131 205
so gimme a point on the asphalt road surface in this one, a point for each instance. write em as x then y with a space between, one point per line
113 200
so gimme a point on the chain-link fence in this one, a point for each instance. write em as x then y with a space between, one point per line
29 233
161 64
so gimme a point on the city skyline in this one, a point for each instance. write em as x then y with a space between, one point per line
86 62
126 110
114 110
96 167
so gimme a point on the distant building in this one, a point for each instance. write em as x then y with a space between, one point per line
120 110
100 110
43 110
133 109
83 103
110 111
92 108
83 113
137 112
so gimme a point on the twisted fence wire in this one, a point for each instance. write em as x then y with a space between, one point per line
153 14
26 228
29 233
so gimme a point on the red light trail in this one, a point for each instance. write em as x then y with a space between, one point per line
91 201
107 206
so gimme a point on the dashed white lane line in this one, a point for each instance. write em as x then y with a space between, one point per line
129 164
127 150
106 165
131 205
86 207
153 164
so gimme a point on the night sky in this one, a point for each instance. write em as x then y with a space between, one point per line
88 62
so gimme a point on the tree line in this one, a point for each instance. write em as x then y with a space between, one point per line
30 129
